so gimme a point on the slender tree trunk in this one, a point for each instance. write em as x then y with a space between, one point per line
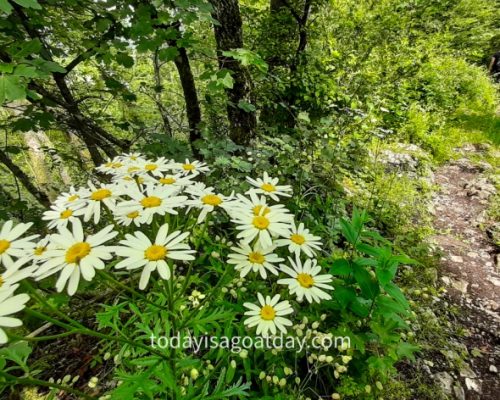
229 36
193 111
38 164
55 157
157 95
40 196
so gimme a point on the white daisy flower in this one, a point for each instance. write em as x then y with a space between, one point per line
131 158
158 167
60 215
151 201
207 201
174 180
97 196
128 217
9 305
299 239
15 274
12 245
257 259
258 205
68 199
263 226
73 255
306 281
40 248
112 167
140 252
268 315
269 187
191 167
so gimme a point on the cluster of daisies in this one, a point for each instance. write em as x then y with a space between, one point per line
137 198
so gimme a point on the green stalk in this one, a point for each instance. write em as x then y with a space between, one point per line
39 382
90 332
29 287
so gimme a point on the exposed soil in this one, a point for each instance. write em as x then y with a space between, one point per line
469 269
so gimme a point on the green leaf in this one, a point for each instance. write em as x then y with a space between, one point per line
5 7
341 267
406 350
348 231
396 294
27 71
11 88
17 352
168 54
248 107
344 295
369 287
124 59
227 81
29 4
385 275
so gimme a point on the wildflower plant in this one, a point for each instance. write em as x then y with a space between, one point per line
179 257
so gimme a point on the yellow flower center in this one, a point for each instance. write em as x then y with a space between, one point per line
128 178
77 252
133 158
188 167
40 250
150 167
114 165
133 169
256 258
66 214
267 313
305 280
260 222
298 239
100 194
211 200
4 246
267 187
140 179
133 214
1 281
257 210
155 252
73 197
167 181
150 202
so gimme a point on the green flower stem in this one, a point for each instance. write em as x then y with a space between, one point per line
39 382
32 290
198 244
110 278
208 296
90 332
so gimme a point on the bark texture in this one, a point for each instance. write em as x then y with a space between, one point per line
229 36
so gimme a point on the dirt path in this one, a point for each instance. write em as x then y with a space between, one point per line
470 271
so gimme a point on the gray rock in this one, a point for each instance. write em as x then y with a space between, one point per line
493 369
445 381
459 392
467 372
473 385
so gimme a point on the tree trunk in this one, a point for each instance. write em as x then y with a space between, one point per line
193 110
55 157
158 90
40 196
229 36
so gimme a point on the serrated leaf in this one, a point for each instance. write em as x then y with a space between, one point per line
11 88
29 4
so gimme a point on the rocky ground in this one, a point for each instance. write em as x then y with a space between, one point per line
470 270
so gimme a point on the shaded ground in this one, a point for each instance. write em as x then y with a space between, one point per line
470 270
